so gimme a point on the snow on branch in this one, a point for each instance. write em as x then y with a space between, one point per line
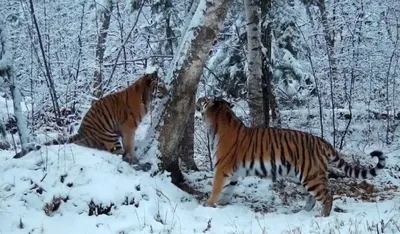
186 43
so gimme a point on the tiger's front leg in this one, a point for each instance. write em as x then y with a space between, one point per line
220 178
128 133
229 188
129 155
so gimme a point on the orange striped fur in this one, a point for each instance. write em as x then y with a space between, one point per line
271 153
113 116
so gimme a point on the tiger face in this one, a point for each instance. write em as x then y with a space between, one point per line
209 105
154 87
201 106
158 87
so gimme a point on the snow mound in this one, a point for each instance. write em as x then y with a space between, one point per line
82 183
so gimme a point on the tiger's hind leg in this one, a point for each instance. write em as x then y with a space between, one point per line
114 147
97 140
317 187
229 188
310 199
118 149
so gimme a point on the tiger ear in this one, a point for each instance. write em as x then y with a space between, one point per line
210 101
204 101
152 77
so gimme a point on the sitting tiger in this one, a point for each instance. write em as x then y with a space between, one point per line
113 116
273 153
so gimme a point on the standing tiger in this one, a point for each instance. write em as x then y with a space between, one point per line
113 116
271 152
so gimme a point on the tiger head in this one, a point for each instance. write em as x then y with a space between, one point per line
210 106
152 86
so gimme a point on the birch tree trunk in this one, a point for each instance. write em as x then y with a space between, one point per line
254 73
105 17
22 125
184 77
6 68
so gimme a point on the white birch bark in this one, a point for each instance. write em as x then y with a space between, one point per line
6 67
184 77
254 72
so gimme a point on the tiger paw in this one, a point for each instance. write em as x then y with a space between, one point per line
119 152
296 210
310 203
321 215
224 200
142 166
210 204
129 159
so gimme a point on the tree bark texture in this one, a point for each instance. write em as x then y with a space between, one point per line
185 74
186 146
270 104
329 35
254 73
105 18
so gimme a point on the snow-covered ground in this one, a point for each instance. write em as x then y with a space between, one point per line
146 204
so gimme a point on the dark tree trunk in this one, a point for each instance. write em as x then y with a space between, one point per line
100 48
186 147
270 105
